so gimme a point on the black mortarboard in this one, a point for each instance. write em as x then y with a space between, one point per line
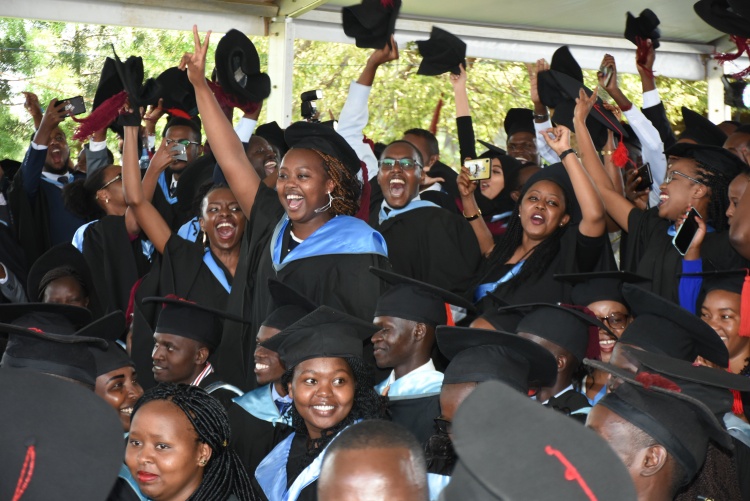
371 23
110 328
10 167
644 27
701 130
45 338
659 407
324 333
411 299
553 456
724 16
288 305
492 150
441 53
479 355
632 138
63 255
564 326
660 326
725 280
140 93
558 175
319 137
177 93
194 176
182 317
52 433
563 115
714 158
238 68
109 83
741 8
599 285
519 120
274 134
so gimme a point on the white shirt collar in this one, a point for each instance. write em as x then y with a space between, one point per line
275 395
429 366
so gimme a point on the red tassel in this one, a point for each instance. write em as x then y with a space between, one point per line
745 307
742 48
101 117
648 379
386 4
737 408
364 199
641 53
449 315
226 100
436 116
176 112
620 156
369 143
27 471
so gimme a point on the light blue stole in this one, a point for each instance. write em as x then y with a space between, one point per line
436 483
484 289
260 404
162 182
340 235
414 384
414 204
78 235
218 273
190 230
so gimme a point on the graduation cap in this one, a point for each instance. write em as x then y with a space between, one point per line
177 93
62 257
10 167
632 138
725 16
46 338
288 305
553 457
371 23
274 134
565 326
735 281
563 115
493 151
701 130
659 407
519 120
660 326
558 175
714 158
110 328
599 285
238 68
182 317
478 355
642 28
413 300
324 333
52 433
441 53
315 136
140 93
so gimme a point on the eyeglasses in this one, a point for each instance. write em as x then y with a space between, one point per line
387 164
670 175
184 142
443 425
615 320
118 177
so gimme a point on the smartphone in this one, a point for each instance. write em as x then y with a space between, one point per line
685 234
478 169
74 105
607 72
647 179
181 152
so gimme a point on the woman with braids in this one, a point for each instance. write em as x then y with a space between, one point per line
331 388
303 233
557 226
178 449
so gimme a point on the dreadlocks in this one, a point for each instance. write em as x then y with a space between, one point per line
718 184
224 474
347 187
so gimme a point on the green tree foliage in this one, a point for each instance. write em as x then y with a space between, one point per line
59 60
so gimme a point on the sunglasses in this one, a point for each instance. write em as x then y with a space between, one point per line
387 164
118 177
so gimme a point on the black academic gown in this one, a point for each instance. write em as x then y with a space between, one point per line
657 115
650 253
116 261
180 271
223 395
432 245
12 256
568 403
416 414
341 281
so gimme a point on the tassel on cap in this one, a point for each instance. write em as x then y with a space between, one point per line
436 116
386 4
641 53
742 48
745 307
449 315
620 157
101 117
737 408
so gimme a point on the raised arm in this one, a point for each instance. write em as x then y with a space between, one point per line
225 145
146 216
466 189
464 125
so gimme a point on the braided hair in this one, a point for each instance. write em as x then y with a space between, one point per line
61 272
718 183
224 474
367 405
347 188
79 197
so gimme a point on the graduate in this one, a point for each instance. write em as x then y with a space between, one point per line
185 337
260 418
303 234
406 316
331 389
425 242
478 355
553 457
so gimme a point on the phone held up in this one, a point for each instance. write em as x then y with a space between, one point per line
479 169
647 179
684 236
607 72
74 105
181 150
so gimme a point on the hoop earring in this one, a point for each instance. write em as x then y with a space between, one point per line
326 206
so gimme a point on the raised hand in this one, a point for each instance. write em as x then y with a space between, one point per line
195 62
386 54
465 185
558 138
608 82
541 65
638 198
460 79
584 103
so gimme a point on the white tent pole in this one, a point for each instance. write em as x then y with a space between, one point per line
717 110
280 68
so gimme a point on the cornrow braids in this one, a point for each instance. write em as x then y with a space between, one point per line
347 188
718 183
224 474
